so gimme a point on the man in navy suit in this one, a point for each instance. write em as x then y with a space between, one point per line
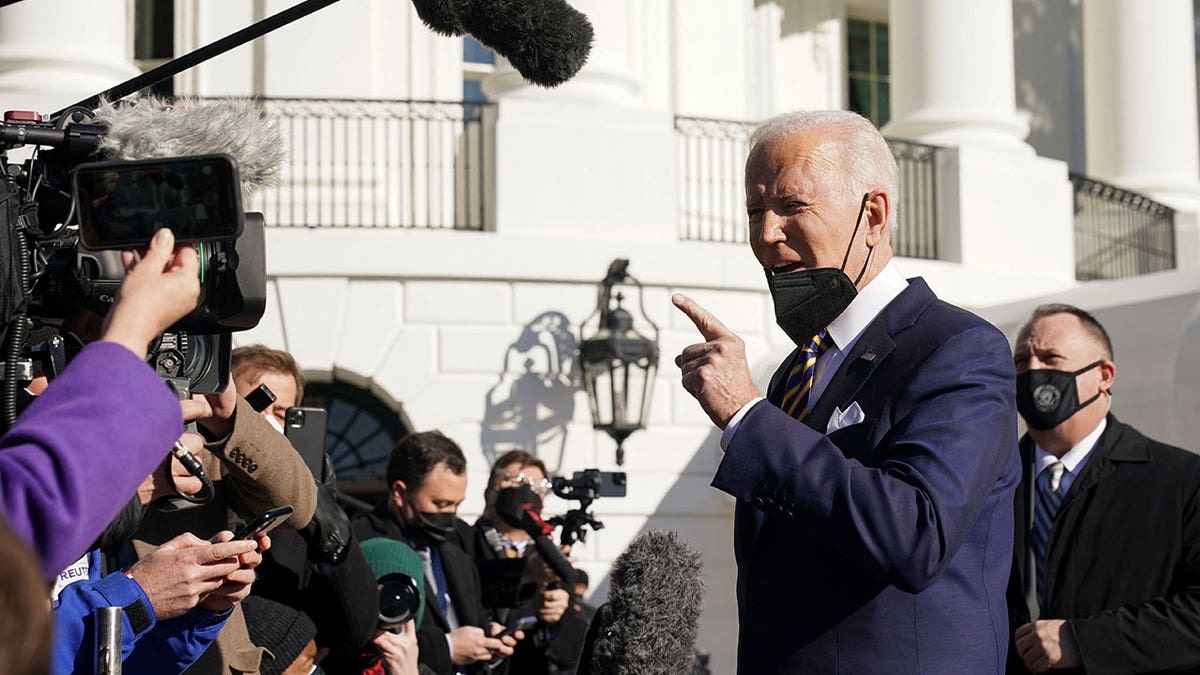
874 522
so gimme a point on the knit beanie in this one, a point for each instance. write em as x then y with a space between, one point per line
280 629
388 556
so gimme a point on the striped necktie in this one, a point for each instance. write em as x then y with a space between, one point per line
797 400
1049 497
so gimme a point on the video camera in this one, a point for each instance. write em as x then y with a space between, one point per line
53 277
584 487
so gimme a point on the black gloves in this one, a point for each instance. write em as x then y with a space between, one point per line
328 533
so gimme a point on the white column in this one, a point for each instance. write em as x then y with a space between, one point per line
598 163
56 52
1140 97
952 74
605 78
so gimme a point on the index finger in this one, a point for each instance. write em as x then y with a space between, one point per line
229 549
708 325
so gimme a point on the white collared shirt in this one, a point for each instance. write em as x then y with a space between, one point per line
1072 461
845 331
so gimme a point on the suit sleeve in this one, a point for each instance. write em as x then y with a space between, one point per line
952 435
1161 634
80 450
262 470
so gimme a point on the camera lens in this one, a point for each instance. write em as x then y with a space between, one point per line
399 598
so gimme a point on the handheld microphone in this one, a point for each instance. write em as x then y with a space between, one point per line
520 507
547 41
152 128
648 626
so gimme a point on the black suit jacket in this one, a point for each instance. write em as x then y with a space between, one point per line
461 577
1123 558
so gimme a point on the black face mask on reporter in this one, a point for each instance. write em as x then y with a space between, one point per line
432 527
1046 398
808 300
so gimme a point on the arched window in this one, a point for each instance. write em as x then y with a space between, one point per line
360 430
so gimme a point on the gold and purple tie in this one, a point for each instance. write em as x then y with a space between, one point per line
797 398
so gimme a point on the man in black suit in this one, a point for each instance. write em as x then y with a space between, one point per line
427 476
1106 569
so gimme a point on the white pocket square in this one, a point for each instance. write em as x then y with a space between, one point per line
844 418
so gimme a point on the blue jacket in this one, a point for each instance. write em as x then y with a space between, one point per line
884 546
147 645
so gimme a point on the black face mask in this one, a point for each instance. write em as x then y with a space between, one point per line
806 301
434 527
1046 398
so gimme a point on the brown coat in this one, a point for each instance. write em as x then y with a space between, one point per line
253 470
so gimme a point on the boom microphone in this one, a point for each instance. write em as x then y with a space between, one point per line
547 41
648 626
152 128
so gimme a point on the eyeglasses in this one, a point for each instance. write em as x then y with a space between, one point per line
538 485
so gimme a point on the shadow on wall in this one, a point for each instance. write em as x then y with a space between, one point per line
534 400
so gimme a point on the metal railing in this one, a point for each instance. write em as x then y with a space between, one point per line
1119 233
712 205
378 164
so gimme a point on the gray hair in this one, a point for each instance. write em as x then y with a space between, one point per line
866 160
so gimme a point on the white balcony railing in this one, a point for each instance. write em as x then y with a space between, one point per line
381 164
712 201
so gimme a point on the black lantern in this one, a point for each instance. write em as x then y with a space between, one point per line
618 362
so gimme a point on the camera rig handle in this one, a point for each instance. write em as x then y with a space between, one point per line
180 501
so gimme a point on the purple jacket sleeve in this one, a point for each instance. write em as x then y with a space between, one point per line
79 451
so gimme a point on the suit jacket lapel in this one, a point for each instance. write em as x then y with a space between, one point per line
872 347
1025 566
870 350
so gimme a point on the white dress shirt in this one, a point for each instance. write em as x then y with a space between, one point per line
1072 462
845 331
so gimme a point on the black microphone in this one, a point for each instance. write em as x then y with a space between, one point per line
440 15
521 507
649 624
547 41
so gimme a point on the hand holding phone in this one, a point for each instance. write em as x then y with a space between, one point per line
521 623
266 522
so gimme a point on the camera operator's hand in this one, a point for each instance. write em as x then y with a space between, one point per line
157 291
469 644
552 604
177 574
398 650
237 583
537 571
222 408
159 483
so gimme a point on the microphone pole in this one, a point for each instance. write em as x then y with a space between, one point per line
108 640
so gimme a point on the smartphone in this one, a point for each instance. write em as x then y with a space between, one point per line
260 398
305 429
121 204
522 623
266 522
